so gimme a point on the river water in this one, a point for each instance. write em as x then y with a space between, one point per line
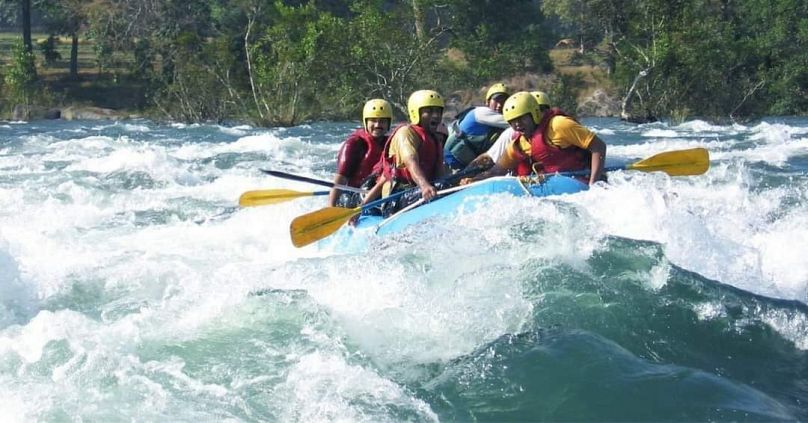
132 286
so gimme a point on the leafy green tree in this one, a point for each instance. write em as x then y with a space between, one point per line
49 52
776 34
714 59
576 17
19 11
8 12
21 82
196 94
283 62
300 62
392 61
494 45
564 93
65 17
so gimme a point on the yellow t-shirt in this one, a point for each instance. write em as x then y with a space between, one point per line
561 132
405 144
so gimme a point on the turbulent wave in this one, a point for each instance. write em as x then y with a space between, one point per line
131 285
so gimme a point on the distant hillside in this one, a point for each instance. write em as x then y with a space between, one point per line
592 93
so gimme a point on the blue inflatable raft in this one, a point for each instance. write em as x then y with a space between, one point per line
466 198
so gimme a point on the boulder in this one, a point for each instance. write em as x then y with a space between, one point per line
90 113
599 104
648 118
29 112
566 43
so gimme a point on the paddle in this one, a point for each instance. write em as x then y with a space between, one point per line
294 177
694 161
319 224
273 196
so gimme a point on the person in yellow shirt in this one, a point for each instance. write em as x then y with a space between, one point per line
413 155
546 141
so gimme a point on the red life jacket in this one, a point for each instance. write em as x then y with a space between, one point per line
552 158
372 155
430 156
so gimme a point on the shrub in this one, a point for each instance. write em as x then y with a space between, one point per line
48 49
21 82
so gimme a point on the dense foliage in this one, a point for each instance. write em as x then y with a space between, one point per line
717 58
282 62
20 77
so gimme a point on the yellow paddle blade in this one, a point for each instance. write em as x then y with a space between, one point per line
694 161
269 196
319 224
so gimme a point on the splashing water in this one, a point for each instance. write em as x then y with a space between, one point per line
132 286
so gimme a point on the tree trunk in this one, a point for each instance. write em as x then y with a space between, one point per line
418 13
253 88
26 25
74 56
624 111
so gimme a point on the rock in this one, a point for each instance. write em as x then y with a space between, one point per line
29 112
649 118
90 113
33 112
53 114
599 104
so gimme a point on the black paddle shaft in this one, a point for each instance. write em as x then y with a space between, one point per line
293 177
290 176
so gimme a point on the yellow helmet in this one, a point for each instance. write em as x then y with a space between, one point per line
376 108
520 104
495 89
420 99
541 97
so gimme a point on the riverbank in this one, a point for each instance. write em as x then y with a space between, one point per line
578 85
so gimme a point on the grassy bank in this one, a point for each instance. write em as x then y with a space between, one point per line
109 87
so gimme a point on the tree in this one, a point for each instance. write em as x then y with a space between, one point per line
576 14
776 34
65 17
393 65
301 64
419 19
714 59
493 46
25 21
20 77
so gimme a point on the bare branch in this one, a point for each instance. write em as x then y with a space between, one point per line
250 24
749 93
624 114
